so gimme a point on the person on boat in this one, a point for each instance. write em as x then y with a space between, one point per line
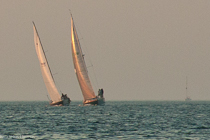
102 93
99 92
65 96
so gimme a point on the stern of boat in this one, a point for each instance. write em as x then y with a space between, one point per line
66 102
101 101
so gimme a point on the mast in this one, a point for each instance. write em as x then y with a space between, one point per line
186 88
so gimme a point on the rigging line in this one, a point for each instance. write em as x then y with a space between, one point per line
48 97
91 65
95 78
57 83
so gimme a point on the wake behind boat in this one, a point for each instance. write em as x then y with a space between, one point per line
56 99
82 73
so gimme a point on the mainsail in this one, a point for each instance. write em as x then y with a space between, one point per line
80 66
45 69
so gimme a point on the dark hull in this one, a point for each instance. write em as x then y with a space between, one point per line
188 99
101 101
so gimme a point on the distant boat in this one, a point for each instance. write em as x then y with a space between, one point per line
56 99
187 97
82 73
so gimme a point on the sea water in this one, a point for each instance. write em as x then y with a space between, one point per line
114 120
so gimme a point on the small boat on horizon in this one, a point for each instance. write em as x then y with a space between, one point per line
82 73
187 97
56 98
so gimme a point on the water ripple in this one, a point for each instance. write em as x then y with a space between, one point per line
115 120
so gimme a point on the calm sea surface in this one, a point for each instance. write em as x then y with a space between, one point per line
115 120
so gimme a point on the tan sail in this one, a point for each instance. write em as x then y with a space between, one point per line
80 66
46 73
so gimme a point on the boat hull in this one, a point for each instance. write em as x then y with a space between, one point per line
188 99
64 102
96 101
101 101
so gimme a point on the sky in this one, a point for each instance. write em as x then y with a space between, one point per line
134 49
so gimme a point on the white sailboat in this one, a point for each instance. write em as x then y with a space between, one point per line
56 99
187 97
81 71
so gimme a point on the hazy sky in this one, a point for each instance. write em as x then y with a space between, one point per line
140 49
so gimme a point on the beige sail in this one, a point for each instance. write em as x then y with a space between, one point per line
80 66
46 73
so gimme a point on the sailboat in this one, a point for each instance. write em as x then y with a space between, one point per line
56 99
187 97
82 73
